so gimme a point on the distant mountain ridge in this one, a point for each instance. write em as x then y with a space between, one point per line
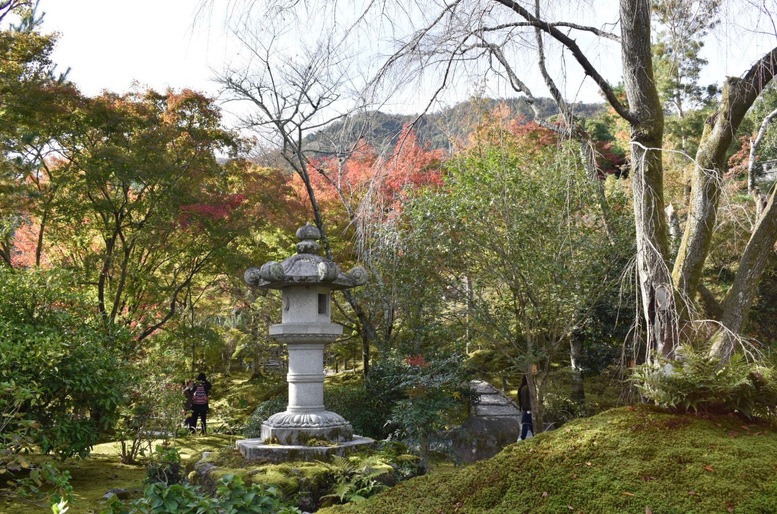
437 129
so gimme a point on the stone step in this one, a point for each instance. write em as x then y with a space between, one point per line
494 399
493 403
481 387
497 411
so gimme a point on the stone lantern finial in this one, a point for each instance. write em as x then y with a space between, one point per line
308 235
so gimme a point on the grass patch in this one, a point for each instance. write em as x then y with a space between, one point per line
626 460
101 471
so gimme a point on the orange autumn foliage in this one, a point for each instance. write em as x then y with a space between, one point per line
343 184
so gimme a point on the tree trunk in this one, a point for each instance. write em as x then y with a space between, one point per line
738 96
740 296
706 183
575 354
647 130
537 394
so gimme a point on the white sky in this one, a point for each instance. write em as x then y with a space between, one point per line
108 44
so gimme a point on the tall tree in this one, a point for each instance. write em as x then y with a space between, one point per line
34 101
291 99
524 250
145 207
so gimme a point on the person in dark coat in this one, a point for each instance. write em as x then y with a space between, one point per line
524 402
200 391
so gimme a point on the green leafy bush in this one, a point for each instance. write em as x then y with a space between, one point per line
403 463
356 478
436 397
353 402
232 497
560 408
265 409
57 351
154 408
44 484
164 466
702 383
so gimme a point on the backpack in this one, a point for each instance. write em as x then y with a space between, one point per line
199 397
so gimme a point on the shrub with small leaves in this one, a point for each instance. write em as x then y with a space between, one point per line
266 409
436 395
366 413
232 497
356 478
165 465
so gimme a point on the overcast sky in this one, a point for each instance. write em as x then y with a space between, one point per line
108 44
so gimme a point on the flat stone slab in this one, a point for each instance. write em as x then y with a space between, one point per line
481 387
256 449
493 399
496 411
493 403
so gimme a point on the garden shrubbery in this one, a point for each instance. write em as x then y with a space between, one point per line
265 409
232 496
700 382
62 368
363 410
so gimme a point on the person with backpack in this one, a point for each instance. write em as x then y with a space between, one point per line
200 391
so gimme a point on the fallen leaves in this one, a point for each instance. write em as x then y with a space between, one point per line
709 468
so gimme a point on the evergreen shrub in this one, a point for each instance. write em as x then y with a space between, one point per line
265 409
364 411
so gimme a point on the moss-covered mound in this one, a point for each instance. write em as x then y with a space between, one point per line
628 460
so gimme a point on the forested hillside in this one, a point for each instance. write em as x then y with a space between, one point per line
441 129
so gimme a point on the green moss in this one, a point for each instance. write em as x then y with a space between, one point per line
319 442
624 460
94 476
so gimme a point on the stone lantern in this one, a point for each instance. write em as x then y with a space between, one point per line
306 281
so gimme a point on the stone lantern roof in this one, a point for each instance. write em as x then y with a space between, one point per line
305 268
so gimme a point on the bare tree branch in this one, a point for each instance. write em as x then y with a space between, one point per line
578 54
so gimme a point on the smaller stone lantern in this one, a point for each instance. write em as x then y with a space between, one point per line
306 281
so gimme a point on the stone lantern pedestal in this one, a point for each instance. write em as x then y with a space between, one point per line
306 281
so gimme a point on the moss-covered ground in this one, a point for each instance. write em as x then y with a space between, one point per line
102 470
627 460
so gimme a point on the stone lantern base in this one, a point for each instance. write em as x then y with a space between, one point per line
256 449
295 428
289 436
